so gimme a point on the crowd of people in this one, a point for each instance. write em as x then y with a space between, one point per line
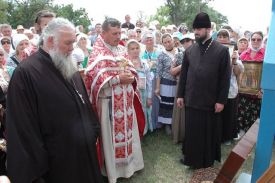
76 104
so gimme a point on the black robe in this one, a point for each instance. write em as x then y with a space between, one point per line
205 77
2 130
204 81
51 133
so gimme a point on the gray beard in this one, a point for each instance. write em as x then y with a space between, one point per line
63 63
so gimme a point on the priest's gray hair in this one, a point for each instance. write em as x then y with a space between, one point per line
54 27
63 62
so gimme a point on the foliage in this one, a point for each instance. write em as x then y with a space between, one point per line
23 12
77 17
183 11
217 17
4 13
162 16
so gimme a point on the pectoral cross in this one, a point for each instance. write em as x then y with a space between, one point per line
80 96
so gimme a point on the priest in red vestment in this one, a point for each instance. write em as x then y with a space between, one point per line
111 83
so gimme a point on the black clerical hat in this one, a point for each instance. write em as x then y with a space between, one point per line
202 20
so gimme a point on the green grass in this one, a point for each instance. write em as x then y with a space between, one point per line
161 161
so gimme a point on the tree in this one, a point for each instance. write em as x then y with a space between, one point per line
183 11
162 16
77 17
23 12
4 11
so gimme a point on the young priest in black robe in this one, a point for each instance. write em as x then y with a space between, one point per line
52 131
203 89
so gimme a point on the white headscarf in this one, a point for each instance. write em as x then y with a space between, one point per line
82 35
78 55
17 38
7 55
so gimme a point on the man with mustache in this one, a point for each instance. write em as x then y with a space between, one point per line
52 130
112 84
203 90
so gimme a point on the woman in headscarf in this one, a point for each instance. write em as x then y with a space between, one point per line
229 113
4 83
7 47
255 52
166 83
151 55
178 116
250 105
144 80
5 71
81 51
21 44
242 45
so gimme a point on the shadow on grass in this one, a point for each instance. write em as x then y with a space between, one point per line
161 161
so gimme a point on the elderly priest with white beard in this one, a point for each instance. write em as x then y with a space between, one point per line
52 131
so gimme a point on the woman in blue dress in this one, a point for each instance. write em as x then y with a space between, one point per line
151 53
144 80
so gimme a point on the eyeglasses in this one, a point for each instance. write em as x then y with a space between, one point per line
254 39
5 42
138 31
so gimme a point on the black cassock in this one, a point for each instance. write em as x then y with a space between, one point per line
204 81
51 128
